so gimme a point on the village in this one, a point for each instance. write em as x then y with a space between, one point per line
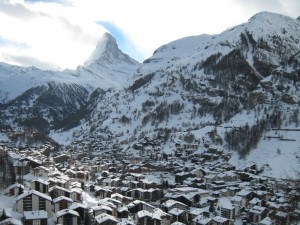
104 185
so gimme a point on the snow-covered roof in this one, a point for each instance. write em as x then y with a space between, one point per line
35 215
254 201
47 197
14 186
144 213
257 209
104 217
41 181
202 220
66 211
197 211
176 211
177 223
169 203
11 221
77 205
102 207
220 219
266 221
58 187
60 198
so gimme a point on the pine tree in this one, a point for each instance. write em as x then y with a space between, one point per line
3 216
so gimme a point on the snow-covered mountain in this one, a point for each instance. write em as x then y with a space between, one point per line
49 99
238 90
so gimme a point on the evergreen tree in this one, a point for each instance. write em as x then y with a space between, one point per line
3 216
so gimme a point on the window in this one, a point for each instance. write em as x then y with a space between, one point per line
42 203
27 203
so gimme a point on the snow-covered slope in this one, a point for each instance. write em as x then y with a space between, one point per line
108 67
245 79
232 90
54 97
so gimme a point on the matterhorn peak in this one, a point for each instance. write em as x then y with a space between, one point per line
107 52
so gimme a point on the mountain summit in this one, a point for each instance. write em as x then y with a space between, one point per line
108 53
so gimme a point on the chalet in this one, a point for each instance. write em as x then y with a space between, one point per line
115 202
144 217
236 201
254 202
146 184
228 211
246 197
34 201
171 204
60 182
70 173
82 175
257 213
267 221
67 217
15 189
61 158
33 163
178 215
122 212
187 195
105 219
201 220
282 218
146 195
118 197
200 172
41 171
180 177
197 212
76 194
102 192
35 217
157 216
138 205
61 203
219 220
57 191
97 210
40 185
82 209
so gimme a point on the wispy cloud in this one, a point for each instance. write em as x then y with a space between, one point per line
63 33
17 10
26 60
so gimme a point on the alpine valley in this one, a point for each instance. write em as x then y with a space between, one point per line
237 92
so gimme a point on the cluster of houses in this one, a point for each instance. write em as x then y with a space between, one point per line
186 188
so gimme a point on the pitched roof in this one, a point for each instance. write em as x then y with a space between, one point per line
33 192
66 211
60 198
104 217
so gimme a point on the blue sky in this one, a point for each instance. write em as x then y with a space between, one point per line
125 44
63 33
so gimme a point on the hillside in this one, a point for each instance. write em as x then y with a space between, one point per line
236 91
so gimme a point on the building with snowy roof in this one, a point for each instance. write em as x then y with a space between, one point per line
105 219
34 201
67 217
39 217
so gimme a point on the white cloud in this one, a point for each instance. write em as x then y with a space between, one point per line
64 35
